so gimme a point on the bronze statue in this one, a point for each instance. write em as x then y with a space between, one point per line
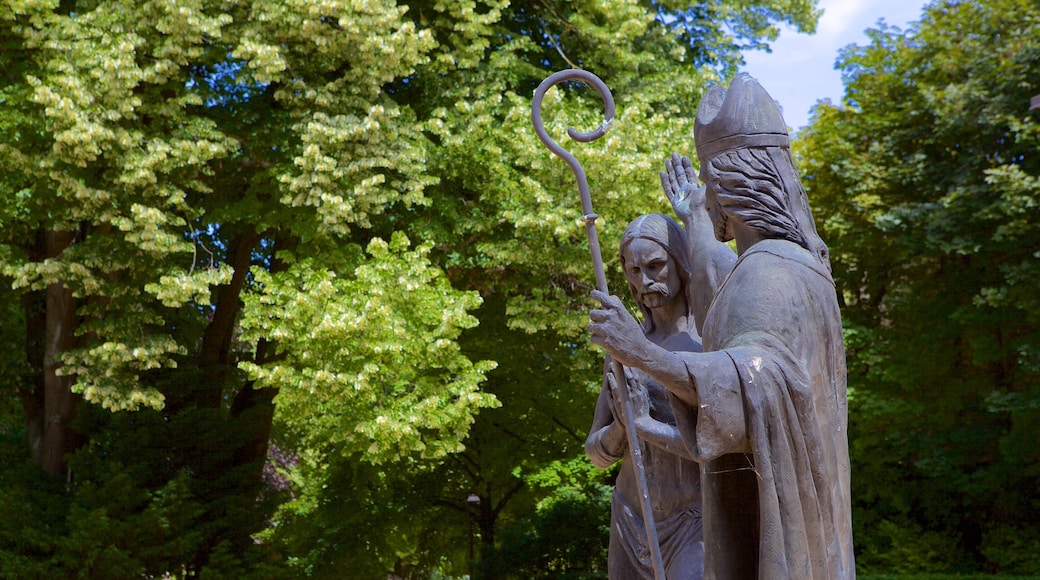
763 408
655 261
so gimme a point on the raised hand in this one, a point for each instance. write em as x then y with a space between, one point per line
679 182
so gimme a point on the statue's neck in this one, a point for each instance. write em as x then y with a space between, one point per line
671 319
745 236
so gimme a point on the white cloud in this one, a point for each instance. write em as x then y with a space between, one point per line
800 70
841 19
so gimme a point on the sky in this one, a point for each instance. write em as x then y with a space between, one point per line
800 70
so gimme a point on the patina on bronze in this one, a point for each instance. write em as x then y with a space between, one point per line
635 448
763 407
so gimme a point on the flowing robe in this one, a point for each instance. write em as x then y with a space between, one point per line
769 422
674 490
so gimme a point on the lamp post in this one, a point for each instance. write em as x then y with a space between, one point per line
471 500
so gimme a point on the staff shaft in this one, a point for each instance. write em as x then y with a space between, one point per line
635 444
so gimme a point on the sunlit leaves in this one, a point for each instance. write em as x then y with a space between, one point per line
181 288
351 167
368 363
136 121
109 374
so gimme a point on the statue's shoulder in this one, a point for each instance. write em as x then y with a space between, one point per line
768 275
774 259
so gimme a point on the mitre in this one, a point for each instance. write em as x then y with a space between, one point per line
743 116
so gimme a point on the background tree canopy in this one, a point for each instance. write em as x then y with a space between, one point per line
925 184
291 288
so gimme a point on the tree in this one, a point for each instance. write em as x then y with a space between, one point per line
925 184
189 191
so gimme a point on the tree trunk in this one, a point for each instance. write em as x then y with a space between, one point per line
255 407
215 354
253 411
59 402
486 525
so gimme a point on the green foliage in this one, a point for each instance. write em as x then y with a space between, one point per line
1016 549
568 533
904 548
32 507
138 473
131 126
346 350
202 176
125 517
351 515
925 185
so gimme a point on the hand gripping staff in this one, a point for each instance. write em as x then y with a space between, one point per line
635 446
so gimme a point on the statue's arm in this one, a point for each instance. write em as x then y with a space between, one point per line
614 329
650 430
710 260
663 436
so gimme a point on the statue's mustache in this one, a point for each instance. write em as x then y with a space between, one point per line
656 288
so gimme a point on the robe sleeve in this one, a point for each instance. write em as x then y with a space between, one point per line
714 424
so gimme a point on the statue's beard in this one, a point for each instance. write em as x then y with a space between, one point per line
721 225
655 295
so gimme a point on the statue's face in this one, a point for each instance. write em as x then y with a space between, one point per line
720 219
651 273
